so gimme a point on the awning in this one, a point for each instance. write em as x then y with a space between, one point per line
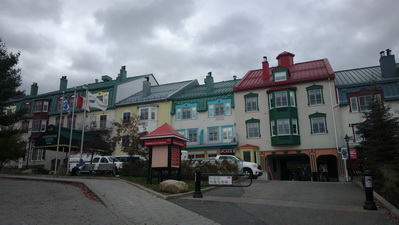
48 140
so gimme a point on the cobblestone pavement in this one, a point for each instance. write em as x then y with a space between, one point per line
33 202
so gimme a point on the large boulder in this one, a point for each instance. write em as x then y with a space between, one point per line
173 186
27 171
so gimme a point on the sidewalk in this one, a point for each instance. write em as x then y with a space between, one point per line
133 205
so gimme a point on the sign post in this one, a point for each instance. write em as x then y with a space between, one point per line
164 145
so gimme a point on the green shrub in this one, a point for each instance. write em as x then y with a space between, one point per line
137 169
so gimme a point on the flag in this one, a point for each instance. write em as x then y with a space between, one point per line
80 102
93 101
65 107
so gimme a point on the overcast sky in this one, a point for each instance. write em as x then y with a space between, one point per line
182 40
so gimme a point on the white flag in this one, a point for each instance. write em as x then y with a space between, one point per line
93 101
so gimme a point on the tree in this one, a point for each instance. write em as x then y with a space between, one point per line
12 145
100 139
379 132
380 145
127 137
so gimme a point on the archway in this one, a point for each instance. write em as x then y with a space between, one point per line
332 165
290 167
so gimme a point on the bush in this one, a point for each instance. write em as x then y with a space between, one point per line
214 167
137 169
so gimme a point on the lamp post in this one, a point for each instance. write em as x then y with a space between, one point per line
349 156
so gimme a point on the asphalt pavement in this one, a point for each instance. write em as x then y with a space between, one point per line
54 200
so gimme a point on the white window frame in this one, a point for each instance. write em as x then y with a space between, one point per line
251 104
253 130
295 126
313 97
36 125
279 99
318 121
292 99
192 137
283 127
45 106
227 134
214 138
280 76
353 104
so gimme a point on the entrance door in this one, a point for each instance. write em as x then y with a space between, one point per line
290 167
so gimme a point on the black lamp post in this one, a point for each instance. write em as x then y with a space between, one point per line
349 156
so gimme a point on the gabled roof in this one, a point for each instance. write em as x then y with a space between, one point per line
159 93
354 80
164 131
199 95
299 72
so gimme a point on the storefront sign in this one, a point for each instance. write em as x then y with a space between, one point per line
226 151
179 143
165 141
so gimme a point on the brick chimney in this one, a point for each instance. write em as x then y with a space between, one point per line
34 89
388 65
63 83
285 59
265 68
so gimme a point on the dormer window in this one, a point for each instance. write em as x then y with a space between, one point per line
280 76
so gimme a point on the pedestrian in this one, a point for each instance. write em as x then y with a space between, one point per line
325 172
78 167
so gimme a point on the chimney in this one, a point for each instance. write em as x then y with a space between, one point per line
146 87
63 83
285 59
33 89
235 77
265 69
209 82
122 74
388 65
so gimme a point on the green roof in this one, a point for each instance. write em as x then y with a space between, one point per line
199 95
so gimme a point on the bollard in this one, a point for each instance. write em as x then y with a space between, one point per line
368 188
197 192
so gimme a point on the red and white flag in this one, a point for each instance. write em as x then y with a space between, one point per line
80 103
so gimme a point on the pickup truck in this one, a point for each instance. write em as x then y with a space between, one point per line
99 164
250 169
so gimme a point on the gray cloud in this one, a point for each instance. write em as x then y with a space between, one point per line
180 40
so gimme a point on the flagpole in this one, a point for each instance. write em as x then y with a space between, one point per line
59 134
84 121
70 135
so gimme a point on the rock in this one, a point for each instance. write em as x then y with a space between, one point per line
173 186
27 171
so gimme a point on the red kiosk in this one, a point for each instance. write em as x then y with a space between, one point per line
164 145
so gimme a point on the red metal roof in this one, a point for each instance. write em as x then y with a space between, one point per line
164 131
299 72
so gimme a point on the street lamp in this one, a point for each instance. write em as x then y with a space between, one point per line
346 138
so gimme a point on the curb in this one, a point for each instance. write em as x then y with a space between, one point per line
388 206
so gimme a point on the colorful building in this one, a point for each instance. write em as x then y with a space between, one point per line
152 104
45 109
285 113
205 115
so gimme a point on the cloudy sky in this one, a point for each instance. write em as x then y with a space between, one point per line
185 39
